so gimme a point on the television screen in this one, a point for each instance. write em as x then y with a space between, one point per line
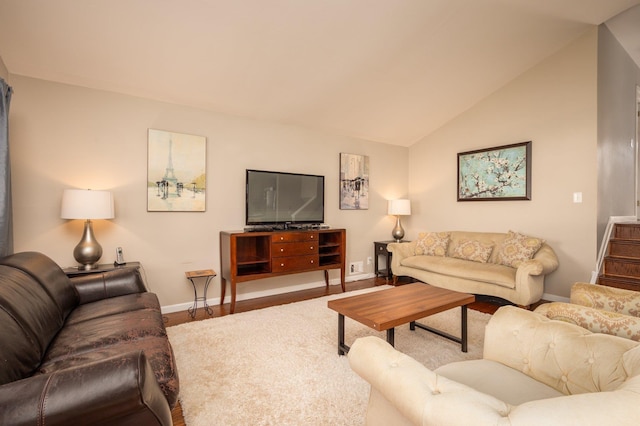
279 198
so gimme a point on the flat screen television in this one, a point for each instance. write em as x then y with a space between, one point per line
278 198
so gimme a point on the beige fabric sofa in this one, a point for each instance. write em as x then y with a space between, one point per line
534 371
522 285
600 309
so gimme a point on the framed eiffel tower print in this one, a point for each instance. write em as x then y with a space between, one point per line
176 172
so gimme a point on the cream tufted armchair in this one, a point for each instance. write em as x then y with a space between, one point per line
534 371
600 309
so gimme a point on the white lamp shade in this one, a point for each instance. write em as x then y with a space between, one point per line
86 204
400 207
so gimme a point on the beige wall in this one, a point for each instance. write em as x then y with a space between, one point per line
4 74
554 105
66 136
618 77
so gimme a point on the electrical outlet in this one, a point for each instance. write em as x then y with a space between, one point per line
355 267
369 260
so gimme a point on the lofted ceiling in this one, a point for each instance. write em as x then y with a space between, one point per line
626 28
390 71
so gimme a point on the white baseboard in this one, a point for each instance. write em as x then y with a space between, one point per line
264 293
554 298
306 286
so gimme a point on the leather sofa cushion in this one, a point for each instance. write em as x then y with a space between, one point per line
19 358
32 309
485 272
35 298
50 277
513 386
112 306
104 331
100 286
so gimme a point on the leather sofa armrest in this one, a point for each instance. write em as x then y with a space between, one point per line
119 282
115 391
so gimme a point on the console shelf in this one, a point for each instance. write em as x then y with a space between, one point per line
248 256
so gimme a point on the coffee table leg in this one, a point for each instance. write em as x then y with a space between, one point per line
342 348
391 336
463 327
463 330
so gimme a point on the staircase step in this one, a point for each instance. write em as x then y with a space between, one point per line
627 283
621 267
624 248
627 231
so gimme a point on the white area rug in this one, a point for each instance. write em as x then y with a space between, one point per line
280 365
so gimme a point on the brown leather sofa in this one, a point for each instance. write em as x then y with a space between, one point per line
87 350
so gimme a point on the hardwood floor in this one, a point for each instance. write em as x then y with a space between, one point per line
264 302
482 304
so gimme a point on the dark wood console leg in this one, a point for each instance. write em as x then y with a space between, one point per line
326 277
223 289
233 297
342 280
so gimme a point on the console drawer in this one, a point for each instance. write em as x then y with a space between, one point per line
289 237
294 249
294 263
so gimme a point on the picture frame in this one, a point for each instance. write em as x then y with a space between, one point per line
501 173
354 182
176 172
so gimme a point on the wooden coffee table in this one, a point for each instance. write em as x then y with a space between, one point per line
386 309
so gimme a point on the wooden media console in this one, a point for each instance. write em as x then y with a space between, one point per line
249 256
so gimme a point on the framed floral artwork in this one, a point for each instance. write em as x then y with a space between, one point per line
500 173
176 172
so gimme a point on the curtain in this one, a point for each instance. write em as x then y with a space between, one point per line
6 216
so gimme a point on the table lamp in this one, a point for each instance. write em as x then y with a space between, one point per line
87 204
399 208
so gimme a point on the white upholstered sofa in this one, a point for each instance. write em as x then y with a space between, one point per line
510 265
534 371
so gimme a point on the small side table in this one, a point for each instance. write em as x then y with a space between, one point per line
207 274
380 248
73 271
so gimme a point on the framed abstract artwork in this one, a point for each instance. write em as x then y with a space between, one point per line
176 172
501 173
354 182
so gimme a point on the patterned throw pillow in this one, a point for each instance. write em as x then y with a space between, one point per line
473 250
594 320
517 248
432 243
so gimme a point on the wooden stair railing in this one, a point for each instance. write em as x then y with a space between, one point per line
621 264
